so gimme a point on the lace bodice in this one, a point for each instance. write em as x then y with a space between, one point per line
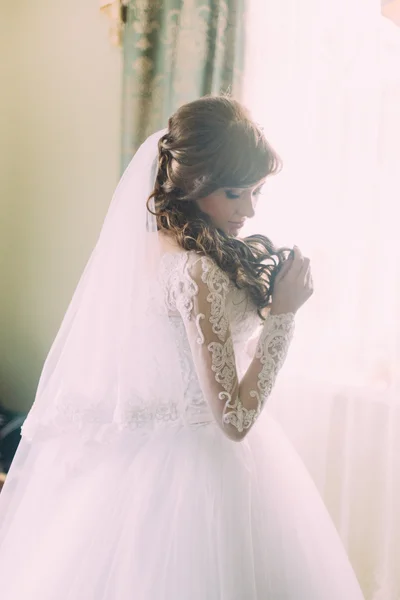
227 359
241 314
215 324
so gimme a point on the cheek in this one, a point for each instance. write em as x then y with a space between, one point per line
219 209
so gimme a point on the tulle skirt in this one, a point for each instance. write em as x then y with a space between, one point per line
178 514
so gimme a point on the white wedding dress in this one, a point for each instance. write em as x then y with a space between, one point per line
170 508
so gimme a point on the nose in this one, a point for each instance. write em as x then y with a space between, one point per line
247 204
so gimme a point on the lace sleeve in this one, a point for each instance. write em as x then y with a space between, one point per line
235 404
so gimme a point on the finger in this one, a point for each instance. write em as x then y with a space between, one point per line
305 267
298 261
284 268
309 281
297 253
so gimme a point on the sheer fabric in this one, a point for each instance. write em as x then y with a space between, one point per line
173 508
198 292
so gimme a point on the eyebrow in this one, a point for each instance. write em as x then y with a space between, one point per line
247 187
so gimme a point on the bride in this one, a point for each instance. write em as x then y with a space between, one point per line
149 468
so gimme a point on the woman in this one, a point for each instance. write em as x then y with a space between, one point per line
129 481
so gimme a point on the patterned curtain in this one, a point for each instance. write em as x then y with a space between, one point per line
176 51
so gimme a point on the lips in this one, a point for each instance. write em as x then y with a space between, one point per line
237 224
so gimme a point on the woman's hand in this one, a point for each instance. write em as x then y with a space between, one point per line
293 285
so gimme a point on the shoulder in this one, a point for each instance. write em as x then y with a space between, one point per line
205 272
200 269
189 275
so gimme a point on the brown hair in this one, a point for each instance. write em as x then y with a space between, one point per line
212 143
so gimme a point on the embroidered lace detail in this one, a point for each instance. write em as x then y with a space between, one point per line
141 417
223 363
236 414
272 349
179 287
223 357
200 339
218 321
211 323
218 283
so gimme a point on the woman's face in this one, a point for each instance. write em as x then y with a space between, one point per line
229 208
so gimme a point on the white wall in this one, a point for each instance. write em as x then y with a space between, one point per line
391 10
59 163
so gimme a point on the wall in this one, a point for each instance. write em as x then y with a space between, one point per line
59 163
391 10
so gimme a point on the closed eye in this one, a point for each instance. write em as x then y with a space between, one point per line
231 195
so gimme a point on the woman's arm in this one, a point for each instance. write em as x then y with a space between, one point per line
235 404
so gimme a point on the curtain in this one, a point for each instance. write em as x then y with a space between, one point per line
176 51
323 79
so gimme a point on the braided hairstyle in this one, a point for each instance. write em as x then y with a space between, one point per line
212 143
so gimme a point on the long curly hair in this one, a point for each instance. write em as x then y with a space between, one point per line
212 143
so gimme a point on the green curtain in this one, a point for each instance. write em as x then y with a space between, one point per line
176 51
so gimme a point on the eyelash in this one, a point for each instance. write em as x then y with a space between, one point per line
231 196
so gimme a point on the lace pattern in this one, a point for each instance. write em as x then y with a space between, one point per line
218 284
272 349
238 403
237 415
211 322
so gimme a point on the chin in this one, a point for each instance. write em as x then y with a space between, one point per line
231 231
234 232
